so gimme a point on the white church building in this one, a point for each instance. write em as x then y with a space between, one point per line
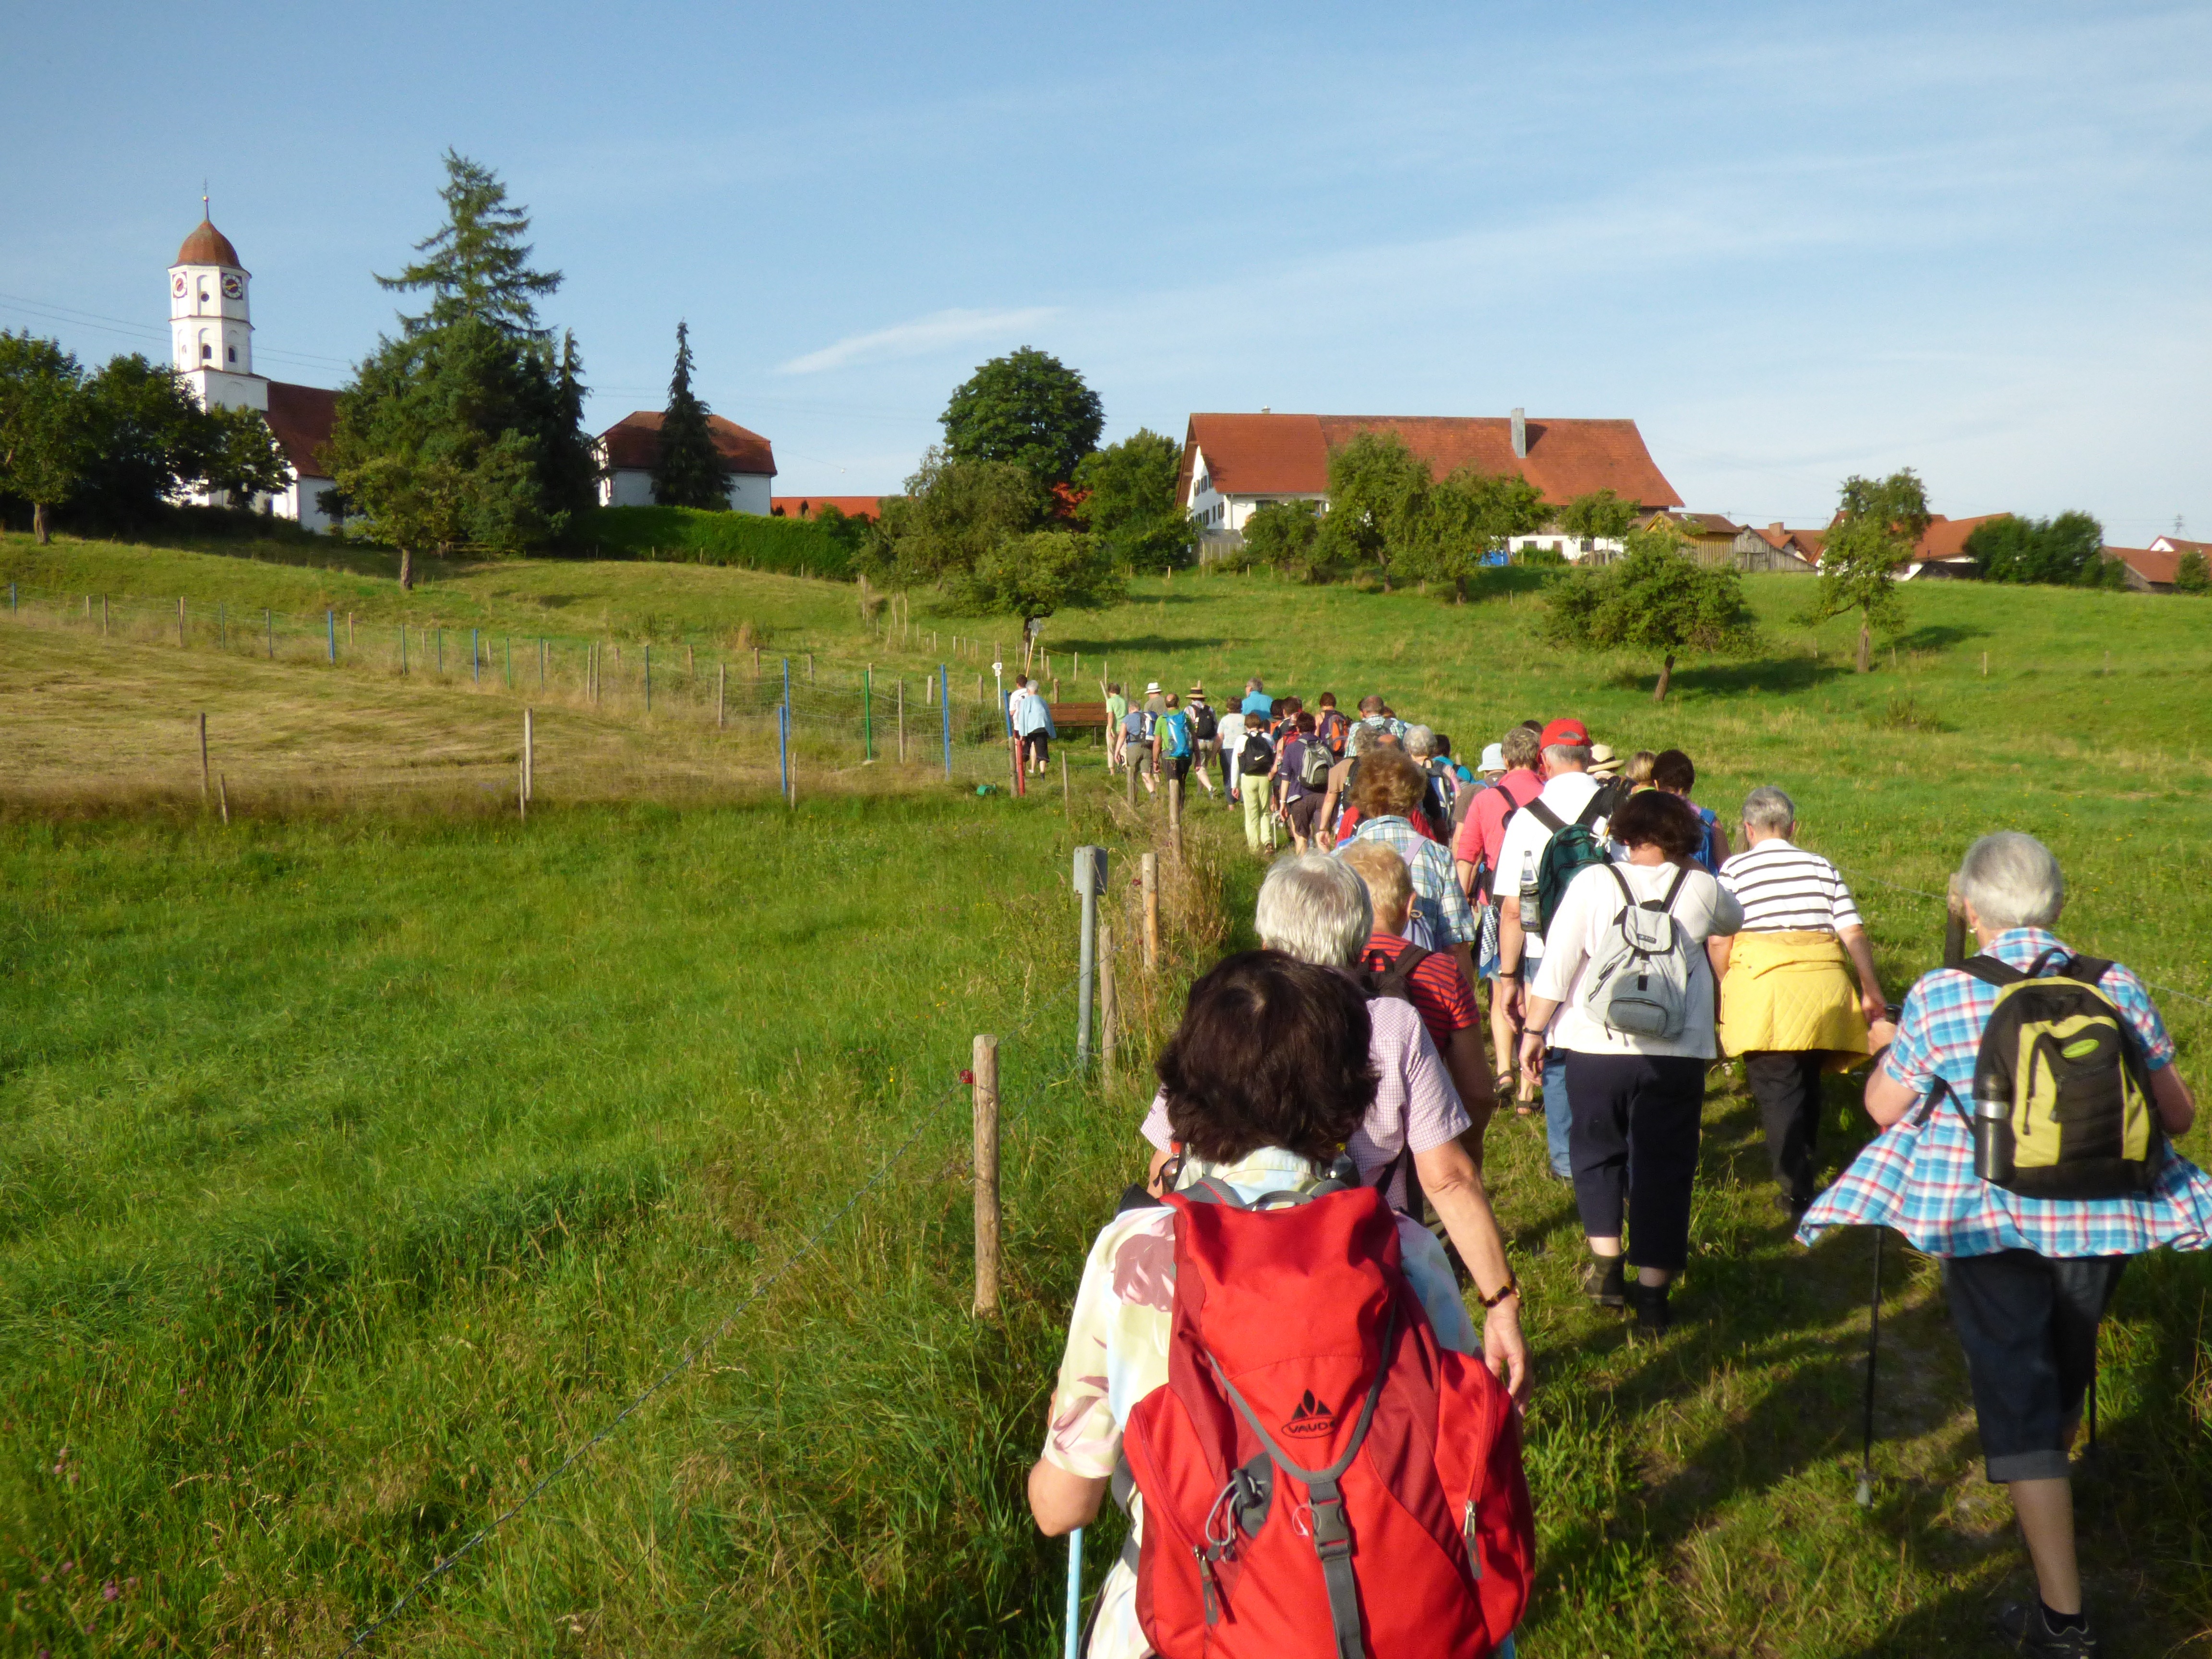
211 346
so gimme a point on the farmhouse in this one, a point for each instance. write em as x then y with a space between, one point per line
1233 464
211 347
2151 569
631 449
1941 550
1718 539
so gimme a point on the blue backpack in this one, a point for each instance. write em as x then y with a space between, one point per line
1177 726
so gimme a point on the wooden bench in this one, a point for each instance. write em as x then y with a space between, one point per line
1078 716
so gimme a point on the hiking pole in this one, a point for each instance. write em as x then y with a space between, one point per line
1873 1341
1074 1594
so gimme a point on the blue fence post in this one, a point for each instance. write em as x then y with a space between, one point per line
783 749
330 623
786 683
944 702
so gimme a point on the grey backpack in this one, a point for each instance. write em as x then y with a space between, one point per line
1638 982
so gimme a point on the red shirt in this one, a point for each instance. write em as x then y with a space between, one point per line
1482 832
1441 994
1347 826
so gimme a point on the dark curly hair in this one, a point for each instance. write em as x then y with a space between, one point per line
1656 818
1272 1052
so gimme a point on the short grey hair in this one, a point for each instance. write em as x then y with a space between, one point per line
2012 880
1570 754
1315 908
1769 809
1420 740
1364 738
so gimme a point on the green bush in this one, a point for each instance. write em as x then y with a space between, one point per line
688 535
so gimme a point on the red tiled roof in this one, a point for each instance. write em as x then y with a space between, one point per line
1288 454
302 417
805 506
207 246
2175 544
2153 565
634 441
1697 523
1946 539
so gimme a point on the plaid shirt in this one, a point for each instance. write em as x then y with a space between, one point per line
1438 905
1917 1175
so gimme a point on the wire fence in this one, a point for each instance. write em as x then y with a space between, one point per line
932 1117
952 716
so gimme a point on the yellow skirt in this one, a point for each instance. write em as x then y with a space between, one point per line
1791 992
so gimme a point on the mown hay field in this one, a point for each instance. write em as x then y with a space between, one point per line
363 1164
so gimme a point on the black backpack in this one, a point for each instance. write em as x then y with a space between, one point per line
1378 976
1203 725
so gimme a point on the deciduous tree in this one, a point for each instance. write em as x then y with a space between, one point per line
1879 521
691 471
1378 490
1284 537
2192 574
952 513
1654 597
2067 550
1028 408
1129 502
42 430
1599 515
1034 576
1465 520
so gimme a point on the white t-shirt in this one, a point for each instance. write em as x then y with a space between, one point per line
1786 889
1526 837
1703 909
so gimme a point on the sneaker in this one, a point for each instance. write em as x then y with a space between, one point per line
1602 1281
2025 1630
1649 1304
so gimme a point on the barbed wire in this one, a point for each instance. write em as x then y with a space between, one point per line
694 1351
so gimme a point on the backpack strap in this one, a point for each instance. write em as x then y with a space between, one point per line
1332 1534
1545 816
1990 971
1666 904
1599 806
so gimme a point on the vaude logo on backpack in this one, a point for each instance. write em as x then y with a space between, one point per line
1638 982
1320 1479
2062 1105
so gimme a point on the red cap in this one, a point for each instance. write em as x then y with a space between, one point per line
1565 733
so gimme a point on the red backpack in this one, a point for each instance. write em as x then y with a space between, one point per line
1320 1478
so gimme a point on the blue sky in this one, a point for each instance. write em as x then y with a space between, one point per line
1793 242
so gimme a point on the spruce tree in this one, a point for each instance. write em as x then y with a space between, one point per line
690 471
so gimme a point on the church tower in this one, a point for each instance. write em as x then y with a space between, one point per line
210 324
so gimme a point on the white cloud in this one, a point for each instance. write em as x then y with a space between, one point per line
919 338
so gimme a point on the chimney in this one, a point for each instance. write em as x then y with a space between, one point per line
1264 409
1521 434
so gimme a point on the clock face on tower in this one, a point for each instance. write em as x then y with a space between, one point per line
232 288
177 285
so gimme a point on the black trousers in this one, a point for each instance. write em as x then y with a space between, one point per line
2028 1324
1632 1142
1787 1086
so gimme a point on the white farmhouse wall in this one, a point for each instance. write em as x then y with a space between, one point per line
631 486
749 492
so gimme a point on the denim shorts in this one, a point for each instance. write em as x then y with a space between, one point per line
2028 1324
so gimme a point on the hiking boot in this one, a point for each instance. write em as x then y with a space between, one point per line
1649 1304
2025 1630
1602 1281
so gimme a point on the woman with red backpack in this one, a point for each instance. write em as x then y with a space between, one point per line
1275 1374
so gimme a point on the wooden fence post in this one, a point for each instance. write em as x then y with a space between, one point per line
1110 1005
721 694
222 796
986 1074
528 754
1954 926
1149 868
180 620
1066 799
902 719
205 793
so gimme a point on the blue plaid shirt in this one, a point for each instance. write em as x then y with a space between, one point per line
1438 904
1917 1175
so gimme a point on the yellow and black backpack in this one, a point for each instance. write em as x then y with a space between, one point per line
2061 1106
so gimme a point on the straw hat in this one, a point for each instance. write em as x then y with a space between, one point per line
1603 763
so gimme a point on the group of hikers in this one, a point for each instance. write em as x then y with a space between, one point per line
1272 1362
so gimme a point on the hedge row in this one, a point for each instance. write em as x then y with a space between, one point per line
685 535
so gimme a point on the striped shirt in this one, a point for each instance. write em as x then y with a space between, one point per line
1786 889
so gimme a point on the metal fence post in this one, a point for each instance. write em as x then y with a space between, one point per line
1089 882
331 627
783 748
944 692
868 715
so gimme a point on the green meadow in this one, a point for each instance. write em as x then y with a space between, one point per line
361 1168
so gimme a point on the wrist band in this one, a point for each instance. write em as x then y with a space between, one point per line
1511 1287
